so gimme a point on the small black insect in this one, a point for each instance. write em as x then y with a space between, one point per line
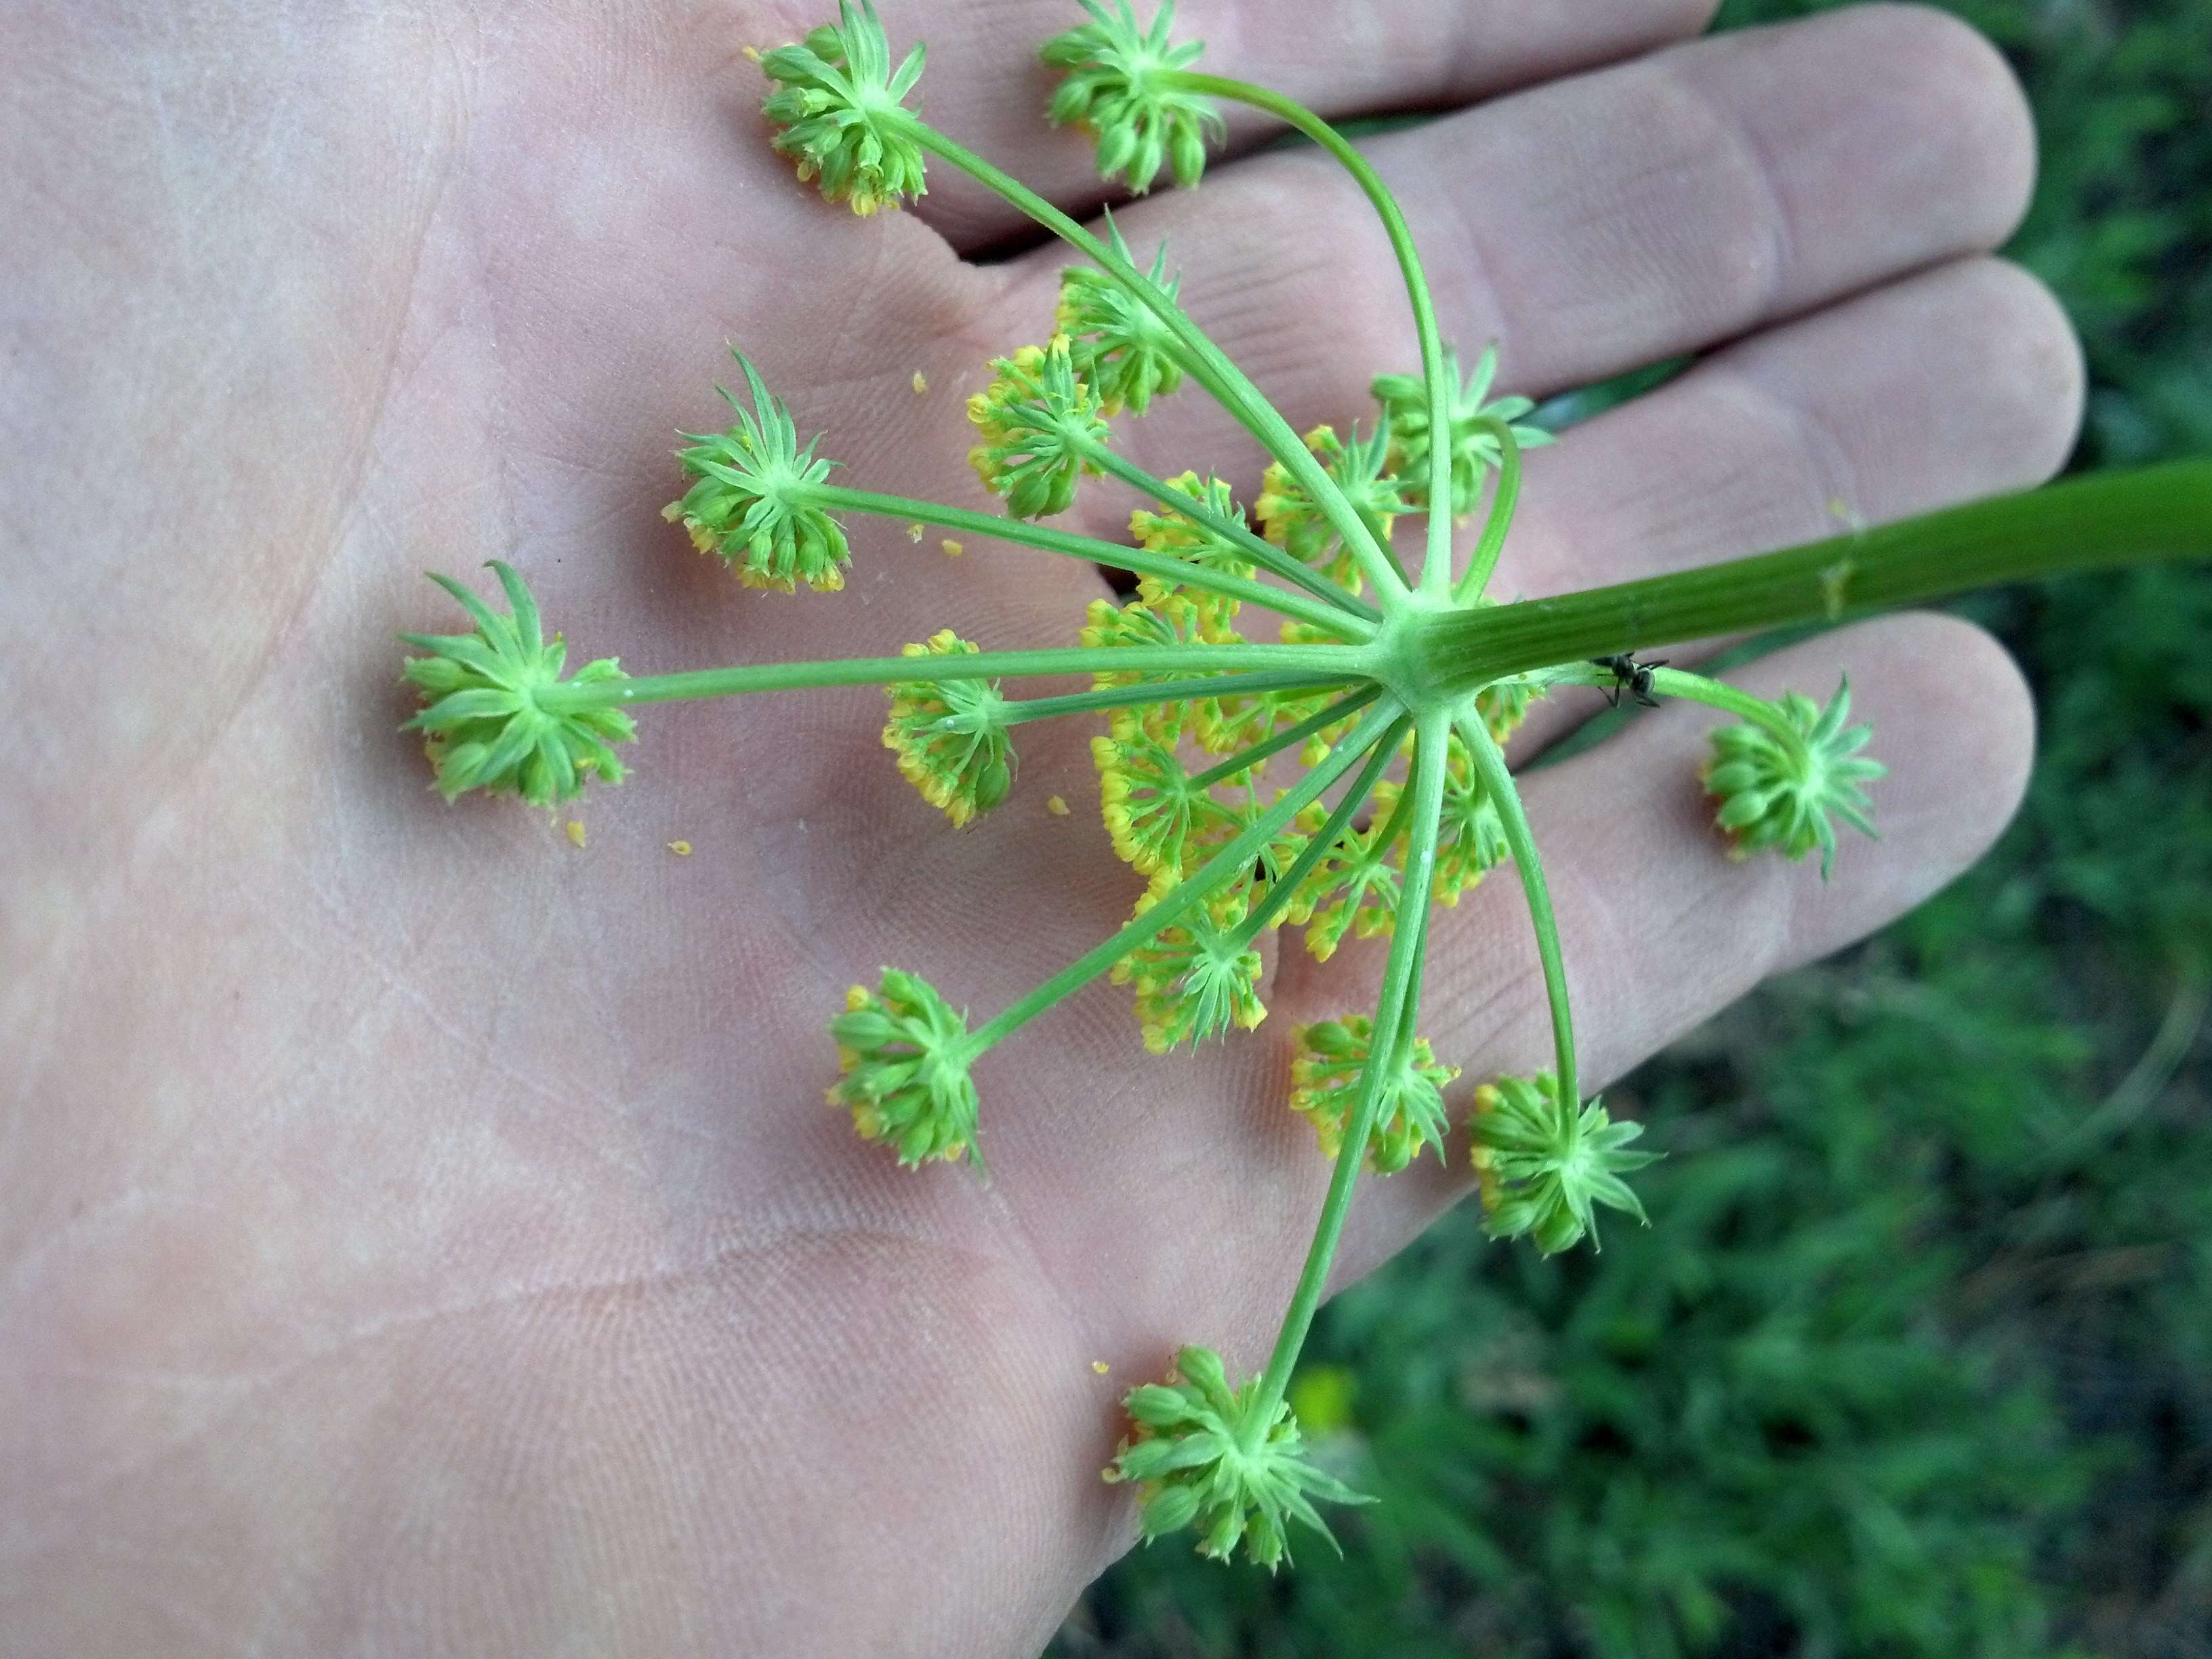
1631 677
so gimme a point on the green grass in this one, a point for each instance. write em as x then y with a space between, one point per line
1916 1357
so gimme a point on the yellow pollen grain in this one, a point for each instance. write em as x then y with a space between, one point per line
914 532
1055 805
681 849
1101 1367
576 831
952 549
921 382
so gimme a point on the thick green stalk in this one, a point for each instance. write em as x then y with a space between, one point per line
1140 561
1231 861
1265 554
1490 762
1427 788
1209 365
1485 562
1326 662
1436 566
2097 522
1015 711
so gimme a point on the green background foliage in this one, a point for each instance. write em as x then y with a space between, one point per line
1916 1358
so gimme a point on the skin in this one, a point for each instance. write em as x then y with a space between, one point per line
418 1234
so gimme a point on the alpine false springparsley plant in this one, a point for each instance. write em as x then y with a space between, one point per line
1344 779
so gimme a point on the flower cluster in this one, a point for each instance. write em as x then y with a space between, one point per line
1118 91
1333 1057
1364 470
1119 345
1477 422
1544 1166
1196 978
748 504
839 103
1228 1464
949 736
1038 425
902 1053
1779 782
490 723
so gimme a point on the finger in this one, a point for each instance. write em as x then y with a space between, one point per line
1962 382
986 87
1596 224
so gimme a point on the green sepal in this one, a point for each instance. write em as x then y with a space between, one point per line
1202 1459
484 724
834 97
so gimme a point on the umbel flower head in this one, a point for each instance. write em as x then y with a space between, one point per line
950 736
1195 978
1475 443
1113 92
1362 468
1779 788
486 725
1035 423
1202 1459
1180 536
1544 1166
745 506
1118 344
903 1055
832 97
1325 1077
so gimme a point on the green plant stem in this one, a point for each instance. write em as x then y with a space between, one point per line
1326 663
2097 522
1342 708
1234 858
1265 554
1714 694
1016 711
1480 568
1436 564
1140 562
1427 789
1209 365
1490 762
1284 890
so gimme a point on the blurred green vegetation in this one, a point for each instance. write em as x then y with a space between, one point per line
1916 1358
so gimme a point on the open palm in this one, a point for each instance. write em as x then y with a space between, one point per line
421 1235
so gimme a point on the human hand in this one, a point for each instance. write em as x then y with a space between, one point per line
424 1235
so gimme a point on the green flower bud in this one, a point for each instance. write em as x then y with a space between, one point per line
833 98
950 736
487 723
1113 91
1543 1166
744 506
1325 1076
1189 1456
1193 979
1119 345
1361 468
1475 443
1780 788
1036 422
903 1055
